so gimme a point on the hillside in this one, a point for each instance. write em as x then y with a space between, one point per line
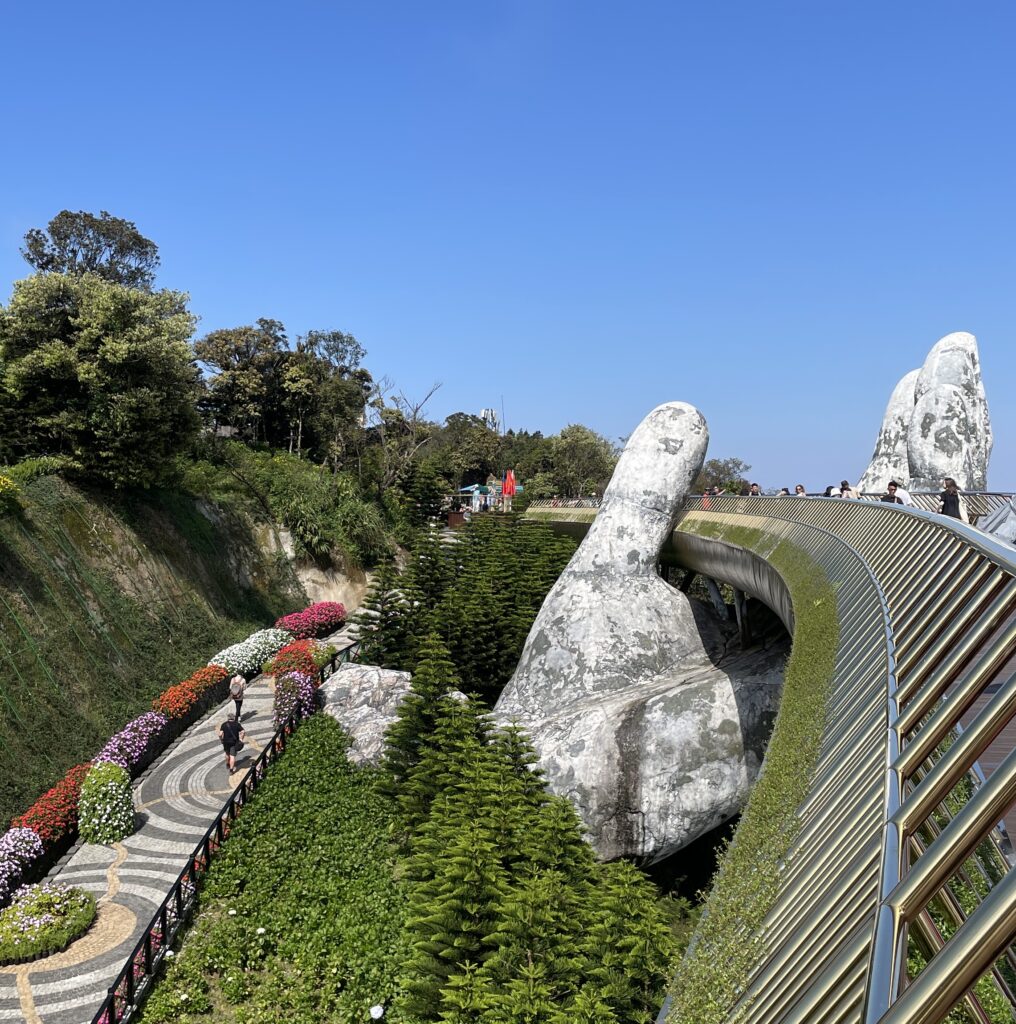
104 601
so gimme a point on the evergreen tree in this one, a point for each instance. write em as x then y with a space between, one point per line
433 679
381 619
629 948
449 921
587 1008
538 962
466 997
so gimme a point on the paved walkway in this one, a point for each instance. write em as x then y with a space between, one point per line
177 799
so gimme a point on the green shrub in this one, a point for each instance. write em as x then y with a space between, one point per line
43 919
44 465
106 810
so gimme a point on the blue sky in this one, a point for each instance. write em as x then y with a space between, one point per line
771 210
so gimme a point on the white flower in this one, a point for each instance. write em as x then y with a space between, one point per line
232 913
261 931
170 954
377 1012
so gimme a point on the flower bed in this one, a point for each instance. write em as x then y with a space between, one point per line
179 700
19 849
130 746
294 695
43 919
249 655
306 656
54 816
106 808
315 620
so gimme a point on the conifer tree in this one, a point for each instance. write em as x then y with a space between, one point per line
381 619
538 962
433 679
629 947
586 1008
449 921
466 997
556 844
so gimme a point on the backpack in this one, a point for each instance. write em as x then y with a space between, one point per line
236 688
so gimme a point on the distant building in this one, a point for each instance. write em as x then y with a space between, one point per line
490 419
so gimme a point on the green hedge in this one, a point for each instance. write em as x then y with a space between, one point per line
726 948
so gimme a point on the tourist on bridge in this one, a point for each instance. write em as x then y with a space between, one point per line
846 491
890 494
951 502
904 495
799 491
232 735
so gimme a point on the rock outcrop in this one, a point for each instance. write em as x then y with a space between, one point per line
364 700
637 713
1001 524
936 424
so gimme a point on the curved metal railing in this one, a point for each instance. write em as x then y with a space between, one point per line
897 902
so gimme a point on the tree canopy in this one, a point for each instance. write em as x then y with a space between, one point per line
81 243
99 372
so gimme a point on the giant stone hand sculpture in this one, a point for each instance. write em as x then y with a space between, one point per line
618 684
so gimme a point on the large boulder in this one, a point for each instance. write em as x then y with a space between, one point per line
936 424
364 700
637 712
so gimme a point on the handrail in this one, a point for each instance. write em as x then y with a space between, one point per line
876 841
134 981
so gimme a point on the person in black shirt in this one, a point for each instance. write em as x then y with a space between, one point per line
950 499
232 735
891 495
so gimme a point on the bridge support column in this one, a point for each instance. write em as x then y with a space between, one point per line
716 597
741 611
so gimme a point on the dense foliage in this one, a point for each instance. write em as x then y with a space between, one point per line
43 919
106 806
301 917
479 595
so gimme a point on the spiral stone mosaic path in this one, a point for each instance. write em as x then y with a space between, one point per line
177 799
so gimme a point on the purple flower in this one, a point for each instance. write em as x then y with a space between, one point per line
294 695
128 747
19 849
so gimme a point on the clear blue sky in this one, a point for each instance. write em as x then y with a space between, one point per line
771 210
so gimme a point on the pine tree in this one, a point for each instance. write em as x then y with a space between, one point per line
466 997
434 679
629 948
556 844
539 961
381 618
449 921
587 1008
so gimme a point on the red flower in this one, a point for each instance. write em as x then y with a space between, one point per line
55 814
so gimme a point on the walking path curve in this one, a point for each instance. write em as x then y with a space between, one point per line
177 799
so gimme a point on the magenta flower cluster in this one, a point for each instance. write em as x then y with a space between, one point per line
315 620
19 849
127 748
294 695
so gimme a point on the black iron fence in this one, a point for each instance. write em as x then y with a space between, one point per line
134 981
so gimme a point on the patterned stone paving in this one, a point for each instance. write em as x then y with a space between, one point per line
177 799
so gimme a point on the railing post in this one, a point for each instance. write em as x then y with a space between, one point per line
111 1000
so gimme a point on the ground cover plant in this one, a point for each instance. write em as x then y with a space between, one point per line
43 919
723 953
300 910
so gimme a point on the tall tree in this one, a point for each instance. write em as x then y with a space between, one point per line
100 372
583 460
81 243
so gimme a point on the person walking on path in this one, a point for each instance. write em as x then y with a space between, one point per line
237 686
232 735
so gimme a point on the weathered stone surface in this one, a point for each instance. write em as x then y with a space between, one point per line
635 709
890 460
364 700
1001 524
936 424
950 432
